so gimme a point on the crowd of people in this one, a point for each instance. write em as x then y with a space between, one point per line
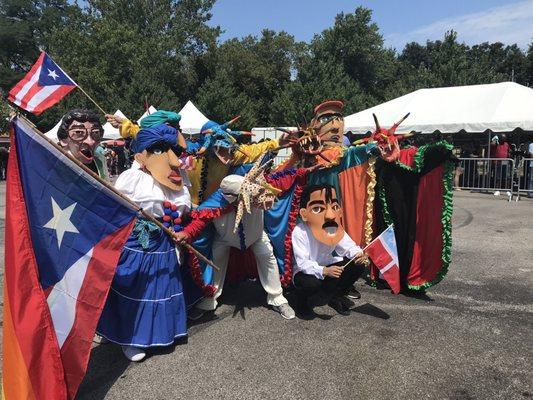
504 164
301 225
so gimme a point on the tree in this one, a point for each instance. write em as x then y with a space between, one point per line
246 75
122 52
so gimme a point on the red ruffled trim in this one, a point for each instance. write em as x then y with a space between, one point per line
197 276
210 213
200 219
286 279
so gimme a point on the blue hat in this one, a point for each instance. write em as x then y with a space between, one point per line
149 136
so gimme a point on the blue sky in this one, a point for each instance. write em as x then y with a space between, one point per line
400 22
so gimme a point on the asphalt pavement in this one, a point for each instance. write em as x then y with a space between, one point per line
471 338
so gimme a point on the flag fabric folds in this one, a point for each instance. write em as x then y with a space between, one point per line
42 87
64 235
384 254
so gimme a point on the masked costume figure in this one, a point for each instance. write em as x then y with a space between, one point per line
236 213
80 133
151 289
218 147
414 194
221 153
379 184
321 249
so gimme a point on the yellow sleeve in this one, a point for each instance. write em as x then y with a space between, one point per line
129 129
253 151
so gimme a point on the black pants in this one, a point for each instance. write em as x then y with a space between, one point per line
309 285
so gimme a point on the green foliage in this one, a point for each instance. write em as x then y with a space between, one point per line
123 52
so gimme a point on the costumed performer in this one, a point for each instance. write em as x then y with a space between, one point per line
350 170
80 133
237 213
327 259
129 129
217 145
147 302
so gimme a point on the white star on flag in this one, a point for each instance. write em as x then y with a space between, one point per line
60 222
52 74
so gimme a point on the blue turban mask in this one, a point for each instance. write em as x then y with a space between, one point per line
156 134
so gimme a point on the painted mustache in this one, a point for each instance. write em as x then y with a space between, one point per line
330 227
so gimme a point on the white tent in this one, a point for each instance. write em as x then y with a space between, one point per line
150 110
52 133
109 131
499 107
192 119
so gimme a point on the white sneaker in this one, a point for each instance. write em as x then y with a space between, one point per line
133 353
285 310
100 339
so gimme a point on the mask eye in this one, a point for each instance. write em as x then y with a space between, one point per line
158 148
317 209
336 207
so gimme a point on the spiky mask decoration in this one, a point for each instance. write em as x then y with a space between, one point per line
220 140
255 191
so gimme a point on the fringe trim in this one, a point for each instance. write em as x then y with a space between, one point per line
446 220
210 213
203 179
197 276
370 196
286 279
447 208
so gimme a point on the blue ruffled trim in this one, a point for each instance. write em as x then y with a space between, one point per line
281 174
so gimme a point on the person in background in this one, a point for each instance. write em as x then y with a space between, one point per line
499 148
4 155
530 180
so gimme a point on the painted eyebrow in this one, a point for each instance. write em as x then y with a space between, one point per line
311 203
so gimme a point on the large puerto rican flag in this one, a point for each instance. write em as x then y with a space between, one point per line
42 87
64 235
384 254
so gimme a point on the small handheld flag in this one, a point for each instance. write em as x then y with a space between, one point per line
384 254
45 85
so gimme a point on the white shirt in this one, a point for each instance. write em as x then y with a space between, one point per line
312 256
150 194
252 224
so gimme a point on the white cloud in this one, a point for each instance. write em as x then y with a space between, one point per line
508 24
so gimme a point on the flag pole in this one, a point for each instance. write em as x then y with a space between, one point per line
79 87
90 98
145 214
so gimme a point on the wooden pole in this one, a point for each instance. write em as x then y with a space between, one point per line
90 98
145 214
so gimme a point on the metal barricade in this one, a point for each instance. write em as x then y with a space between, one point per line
490 174
524 172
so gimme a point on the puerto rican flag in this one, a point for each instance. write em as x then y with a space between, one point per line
64 235
384 254
42 87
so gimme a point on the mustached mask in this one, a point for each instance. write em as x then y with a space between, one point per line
321 211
